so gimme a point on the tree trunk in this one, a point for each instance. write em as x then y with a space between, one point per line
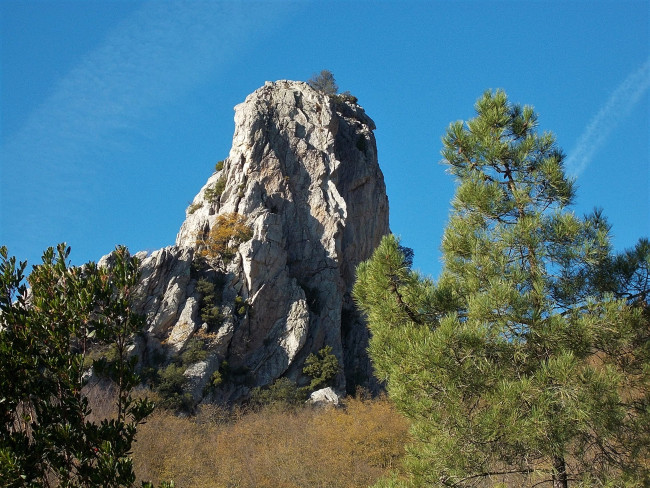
559 473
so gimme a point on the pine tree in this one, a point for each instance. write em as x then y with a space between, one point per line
503 366
324 82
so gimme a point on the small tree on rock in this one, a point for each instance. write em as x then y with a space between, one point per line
228 232
324 82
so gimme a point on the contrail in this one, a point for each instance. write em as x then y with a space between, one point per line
156 55
618 106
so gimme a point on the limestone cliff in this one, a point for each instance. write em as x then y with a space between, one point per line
303 173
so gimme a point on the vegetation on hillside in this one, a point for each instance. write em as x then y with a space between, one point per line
271 447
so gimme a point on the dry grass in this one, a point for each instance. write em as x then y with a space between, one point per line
348 447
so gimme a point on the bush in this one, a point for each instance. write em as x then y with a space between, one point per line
282 393
170 383
210 302
47 434
193 352
345 97
229 231
194 207
241 306
213 193
212 316
322 367
218 166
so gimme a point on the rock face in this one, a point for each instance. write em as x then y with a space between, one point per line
303 173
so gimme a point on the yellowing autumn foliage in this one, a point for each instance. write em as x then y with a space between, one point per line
229 231
334 447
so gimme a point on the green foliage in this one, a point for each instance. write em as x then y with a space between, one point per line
207 289
213 193
170 383
210 301
219 166
342 98
194 207
224 374
216 379
324 82
193 351
46 438
241 306
283 393
322 368
510 367
163 484
211 315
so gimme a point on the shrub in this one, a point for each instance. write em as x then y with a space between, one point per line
229 231
194 207
205 288
345 97
193 352
322 367
282 393
47 434
170 383
216 379
213 193
241 306
218 166
210 301
212 316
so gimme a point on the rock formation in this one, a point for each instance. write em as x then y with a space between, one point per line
302 174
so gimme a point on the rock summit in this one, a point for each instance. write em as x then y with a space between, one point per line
303 185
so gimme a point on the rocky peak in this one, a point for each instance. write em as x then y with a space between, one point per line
302 176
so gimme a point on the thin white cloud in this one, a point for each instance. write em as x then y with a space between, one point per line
618 107
157 54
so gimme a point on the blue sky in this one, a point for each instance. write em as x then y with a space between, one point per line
113 113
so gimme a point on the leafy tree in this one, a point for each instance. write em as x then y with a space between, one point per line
46 439
324 82
507 367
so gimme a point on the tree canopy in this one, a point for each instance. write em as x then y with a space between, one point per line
46 331
509 366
